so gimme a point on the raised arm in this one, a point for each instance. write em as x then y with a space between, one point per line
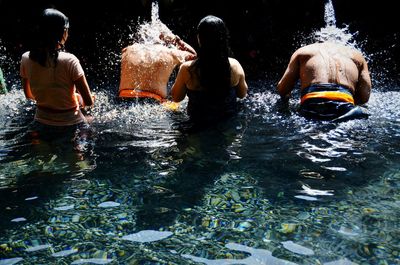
183 46
190 53
290 77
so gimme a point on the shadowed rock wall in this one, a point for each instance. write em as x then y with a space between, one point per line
264 33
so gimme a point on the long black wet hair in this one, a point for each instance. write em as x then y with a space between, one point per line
212 64
49 33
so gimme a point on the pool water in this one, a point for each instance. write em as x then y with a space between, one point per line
265 187
141 186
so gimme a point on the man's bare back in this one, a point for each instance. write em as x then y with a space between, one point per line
148 67
333 63
329 63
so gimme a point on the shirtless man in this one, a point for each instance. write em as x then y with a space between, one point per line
333 79
146 67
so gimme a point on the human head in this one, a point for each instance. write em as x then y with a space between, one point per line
212 34
50 36
52 25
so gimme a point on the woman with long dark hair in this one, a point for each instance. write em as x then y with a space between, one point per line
54 79
213 81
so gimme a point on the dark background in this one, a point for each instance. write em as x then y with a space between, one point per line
264 33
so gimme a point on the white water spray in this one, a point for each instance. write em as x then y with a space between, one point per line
331 33
155 12
149 32
329 15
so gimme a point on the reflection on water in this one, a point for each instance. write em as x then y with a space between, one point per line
266 187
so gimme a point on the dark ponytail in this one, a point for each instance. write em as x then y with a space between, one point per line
49 32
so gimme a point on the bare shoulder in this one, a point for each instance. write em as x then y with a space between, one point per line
25 55
302 52
358 56
233 61
236 66
184 69
355 54
307 50
131 48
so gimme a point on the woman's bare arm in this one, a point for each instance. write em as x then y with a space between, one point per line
178 90
82 87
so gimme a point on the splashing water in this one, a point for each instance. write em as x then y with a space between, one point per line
155 11
222 193
8 67
329 15
331 33
2 53
149 32
137 31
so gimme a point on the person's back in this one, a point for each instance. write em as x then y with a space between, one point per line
148 67
333 78
54 79
329 63
214 81
205 104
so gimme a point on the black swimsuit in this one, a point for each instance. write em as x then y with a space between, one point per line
203 106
